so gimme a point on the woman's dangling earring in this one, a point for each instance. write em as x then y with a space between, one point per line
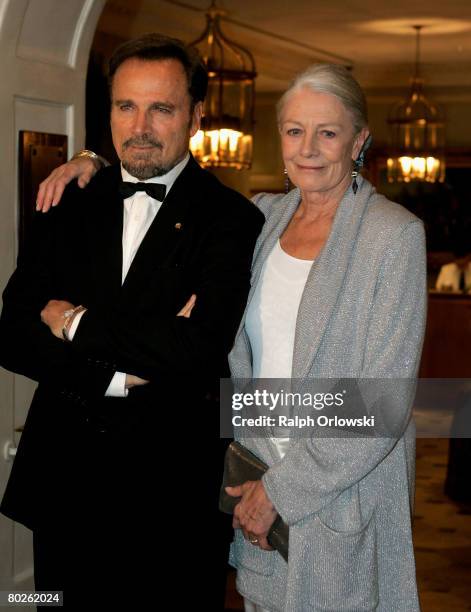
285 172
354 177
357 166
360 162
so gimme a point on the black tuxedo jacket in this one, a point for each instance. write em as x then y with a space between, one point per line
80 453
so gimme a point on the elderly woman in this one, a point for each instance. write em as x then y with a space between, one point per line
338 291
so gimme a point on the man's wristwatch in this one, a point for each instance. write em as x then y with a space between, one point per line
69 316
91 155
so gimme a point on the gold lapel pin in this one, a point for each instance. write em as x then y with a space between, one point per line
178 226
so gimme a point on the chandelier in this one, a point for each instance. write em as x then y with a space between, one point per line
418 139
226 134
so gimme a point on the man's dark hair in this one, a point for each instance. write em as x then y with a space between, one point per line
154 47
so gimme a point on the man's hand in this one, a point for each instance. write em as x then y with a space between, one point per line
52 188
53 315
134 381
255 513
186 310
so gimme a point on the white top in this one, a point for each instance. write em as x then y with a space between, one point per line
139 211
271 318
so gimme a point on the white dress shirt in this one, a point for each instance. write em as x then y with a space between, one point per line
138 213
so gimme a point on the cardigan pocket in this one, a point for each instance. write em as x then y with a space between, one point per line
341 572
244 555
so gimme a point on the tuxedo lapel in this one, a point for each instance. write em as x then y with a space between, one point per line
104 226
165 232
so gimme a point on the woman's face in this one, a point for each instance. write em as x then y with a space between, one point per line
318 140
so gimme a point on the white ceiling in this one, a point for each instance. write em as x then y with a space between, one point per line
376 36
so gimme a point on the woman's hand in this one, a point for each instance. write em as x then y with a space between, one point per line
255 513
51 189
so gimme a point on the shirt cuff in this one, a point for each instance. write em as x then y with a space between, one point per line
117 386
75 323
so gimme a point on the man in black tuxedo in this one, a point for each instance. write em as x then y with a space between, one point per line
119 465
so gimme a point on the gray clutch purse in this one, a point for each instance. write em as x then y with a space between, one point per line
241 465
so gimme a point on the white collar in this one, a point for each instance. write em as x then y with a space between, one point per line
166 179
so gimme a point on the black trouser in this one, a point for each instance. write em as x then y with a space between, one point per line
95 573
116 552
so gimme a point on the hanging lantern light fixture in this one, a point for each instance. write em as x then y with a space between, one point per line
226 135
417 134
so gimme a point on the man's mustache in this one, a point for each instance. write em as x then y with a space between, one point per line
140 141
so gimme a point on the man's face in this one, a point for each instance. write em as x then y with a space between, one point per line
151 121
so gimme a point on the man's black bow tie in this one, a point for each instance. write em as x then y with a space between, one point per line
154 190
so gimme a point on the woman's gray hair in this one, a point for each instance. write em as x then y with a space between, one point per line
333 79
